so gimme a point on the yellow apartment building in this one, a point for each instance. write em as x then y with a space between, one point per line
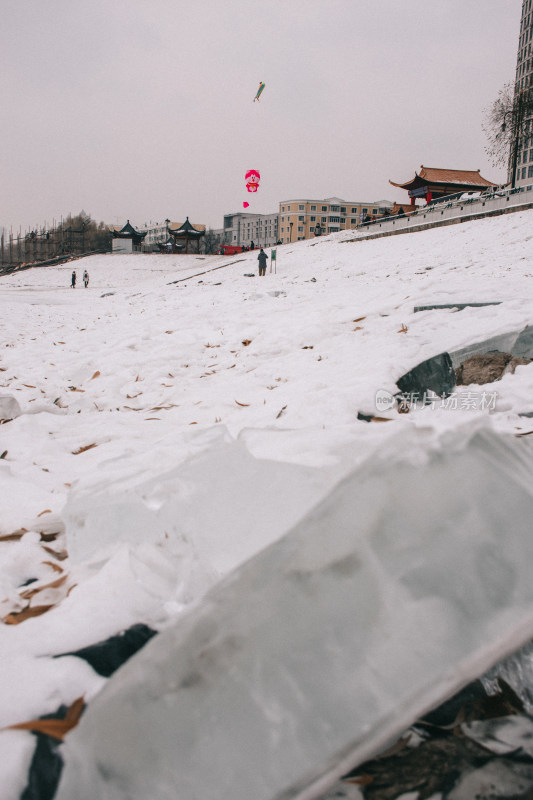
298 219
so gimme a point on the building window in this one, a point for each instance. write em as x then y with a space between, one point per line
301 208
353 211
323 219
313 208
524 172
334 219
354 221
374 211
301 219
324 208
365 210
300 228
530 172
334 208
313 219
343 209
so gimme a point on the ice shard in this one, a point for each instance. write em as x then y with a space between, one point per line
409 580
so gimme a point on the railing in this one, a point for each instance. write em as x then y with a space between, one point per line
447 208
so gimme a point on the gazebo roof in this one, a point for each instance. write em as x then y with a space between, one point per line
435 176
186 230
128 232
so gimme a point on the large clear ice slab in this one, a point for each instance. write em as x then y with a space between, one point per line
409 580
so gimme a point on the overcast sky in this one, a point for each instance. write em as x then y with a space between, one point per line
142 109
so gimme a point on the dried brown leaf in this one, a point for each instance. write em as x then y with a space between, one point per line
61 555
83 449
244 405
403 329
246 342
361 780
16 617
56 728
96 375
55 567
4 454
29 593
359 319
29 386
46 511
280 412
13 537
49 536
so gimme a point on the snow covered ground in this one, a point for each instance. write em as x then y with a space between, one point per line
176 418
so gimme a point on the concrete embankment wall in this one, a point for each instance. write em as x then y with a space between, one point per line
451 215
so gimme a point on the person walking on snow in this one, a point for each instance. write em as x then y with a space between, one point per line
262 258
73 280
85 278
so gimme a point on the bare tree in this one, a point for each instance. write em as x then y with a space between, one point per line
507 124
211 241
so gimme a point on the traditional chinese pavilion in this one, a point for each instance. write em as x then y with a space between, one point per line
186 233
127 239
431 183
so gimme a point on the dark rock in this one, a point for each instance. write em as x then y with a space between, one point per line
448 711
445 757
106 657
487 367
458 306
435 374
46 764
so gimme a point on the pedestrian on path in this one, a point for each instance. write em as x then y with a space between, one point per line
85 278
262 258
73 280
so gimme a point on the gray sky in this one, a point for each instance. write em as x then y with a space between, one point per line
142 109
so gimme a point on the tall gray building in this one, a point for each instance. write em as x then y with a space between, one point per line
524 80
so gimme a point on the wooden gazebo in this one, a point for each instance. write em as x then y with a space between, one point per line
185 233
133 239
432 182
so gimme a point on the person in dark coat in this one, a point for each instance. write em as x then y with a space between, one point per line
73 280
85 278
262 258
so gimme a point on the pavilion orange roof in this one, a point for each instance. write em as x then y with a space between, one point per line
436 175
